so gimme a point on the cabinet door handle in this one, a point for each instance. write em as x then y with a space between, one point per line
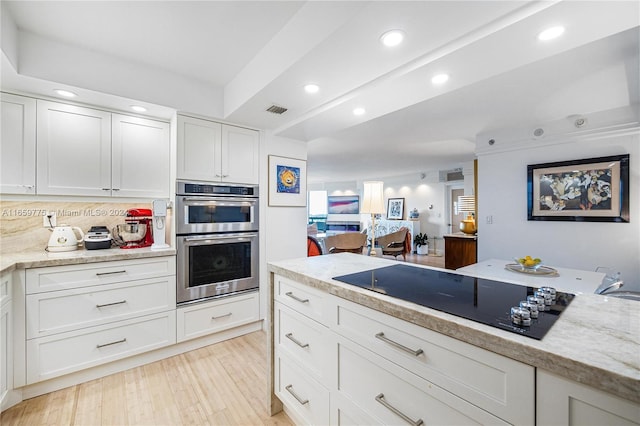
294 297
106 189
394 410
382 337
300 400
115 189
296 341
221 316
112 343
111 273
111 304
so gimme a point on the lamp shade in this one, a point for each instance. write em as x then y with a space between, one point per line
466 203
373 199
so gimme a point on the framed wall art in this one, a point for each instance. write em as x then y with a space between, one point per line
395 208
589 190
287 182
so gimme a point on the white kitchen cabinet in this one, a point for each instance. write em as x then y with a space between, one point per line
18 145
82 316
564 402
215 152
378 369
74 150
140 157
201 319
394 395
85 151
304 351
6 340
494 383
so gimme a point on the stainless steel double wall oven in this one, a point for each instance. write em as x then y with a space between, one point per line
216 239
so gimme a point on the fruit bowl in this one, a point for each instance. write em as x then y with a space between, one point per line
529 263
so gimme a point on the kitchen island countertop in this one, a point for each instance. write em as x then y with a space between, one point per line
596 340
37 259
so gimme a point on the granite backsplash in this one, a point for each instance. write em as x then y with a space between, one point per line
22 230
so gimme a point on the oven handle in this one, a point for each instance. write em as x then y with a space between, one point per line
226 200
208 239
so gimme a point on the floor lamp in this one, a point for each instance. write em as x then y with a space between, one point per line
373 203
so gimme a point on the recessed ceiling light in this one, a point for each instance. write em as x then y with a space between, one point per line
138 108
65 93
392 38
551 33
440 78
359 111
311 88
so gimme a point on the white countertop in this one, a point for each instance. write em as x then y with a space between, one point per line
12 261
596 340
568 280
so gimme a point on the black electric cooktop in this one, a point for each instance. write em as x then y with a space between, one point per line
486 301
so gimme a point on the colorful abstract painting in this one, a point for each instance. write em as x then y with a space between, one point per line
288 179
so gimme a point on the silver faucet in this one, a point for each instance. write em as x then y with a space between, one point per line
611 280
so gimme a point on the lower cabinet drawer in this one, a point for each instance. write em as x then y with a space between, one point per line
393 395
67 310
304 397
64 353
304 340
52 278
221 314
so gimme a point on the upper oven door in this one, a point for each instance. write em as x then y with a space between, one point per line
204 215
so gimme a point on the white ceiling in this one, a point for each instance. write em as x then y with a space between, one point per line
231 60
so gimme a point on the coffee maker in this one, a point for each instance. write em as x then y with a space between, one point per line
137 232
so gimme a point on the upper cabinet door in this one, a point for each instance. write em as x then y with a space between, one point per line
198 149
240 154
18 145
74 150
140 157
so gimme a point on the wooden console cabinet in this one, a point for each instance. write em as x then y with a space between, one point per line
460 250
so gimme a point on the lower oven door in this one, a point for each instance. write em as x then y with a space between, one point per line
216 265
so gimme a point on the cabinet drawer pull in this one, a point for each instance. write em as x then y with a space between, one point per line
294 297
415 352
394 410
124 271
300 400
111 304
222 316
106 189
296 341
112 343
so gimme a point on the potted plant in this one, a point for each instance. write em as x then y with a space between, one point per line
421 242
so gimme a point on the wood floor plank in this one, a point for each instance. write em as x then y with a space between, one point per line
114 402
138 397
220 384
89 404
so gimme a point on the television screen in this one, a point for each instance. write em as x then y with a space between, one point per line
343 204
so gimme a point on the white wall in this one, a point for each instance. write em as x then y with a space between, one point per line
502 179
283 230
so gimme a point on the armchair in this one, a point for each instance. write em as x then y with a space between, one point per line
396 243
352 242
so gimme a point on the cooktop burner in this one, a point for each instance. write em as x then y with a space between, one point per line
493 303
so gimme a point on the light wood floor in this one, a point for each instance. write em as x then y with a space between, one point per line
221 384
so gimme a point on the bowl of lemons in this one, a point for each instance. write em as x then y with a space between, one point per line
529 263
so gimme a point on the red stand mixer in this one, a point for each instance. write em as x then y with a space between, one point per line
137 232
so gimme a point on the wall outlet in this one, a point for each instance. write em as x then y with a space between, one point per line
489 220
49 220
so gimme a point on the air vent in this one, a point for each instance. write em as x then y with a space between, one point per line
453 175
276 109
